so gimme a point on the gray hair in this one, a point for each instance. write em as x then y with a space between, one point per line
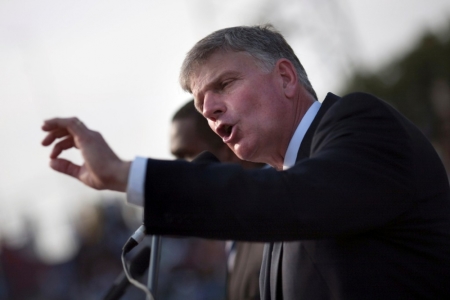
264 43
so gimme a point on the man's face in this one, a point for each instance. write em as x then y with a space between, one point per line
244 105
185 143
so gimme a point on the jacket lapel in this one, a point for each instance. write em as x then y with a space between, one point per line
305 147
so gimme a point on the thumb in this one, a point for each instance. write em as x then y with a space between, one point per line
66 167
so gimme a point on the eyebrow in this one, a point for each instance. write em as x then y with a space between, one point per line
216 80
221 76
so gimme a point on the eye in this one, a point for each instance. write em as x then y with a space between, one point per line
225 83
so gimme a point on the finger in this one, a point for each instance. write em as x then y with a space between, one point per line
55 123
73 125
61 146
53 135
66 167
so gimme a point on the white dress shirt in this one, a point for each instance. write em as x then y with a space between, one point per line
299 134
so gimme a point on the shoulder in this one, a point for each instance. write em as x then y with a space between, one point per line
362 107
362 117
360 101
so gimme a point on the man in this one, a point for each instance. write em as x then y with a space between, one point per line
191 135
356 206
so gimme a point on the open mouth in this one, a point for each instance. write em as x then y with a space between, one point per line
225 131
228 130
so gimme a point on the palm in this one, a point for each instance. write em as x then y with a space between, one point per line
89 178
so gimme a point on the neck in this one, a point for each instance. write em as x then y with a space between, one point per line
299 109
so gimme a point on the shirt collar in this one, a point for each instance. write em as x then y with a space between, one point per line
297 138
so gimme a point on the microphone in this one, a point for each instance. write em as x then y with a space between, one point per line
205 157
134 240
138 264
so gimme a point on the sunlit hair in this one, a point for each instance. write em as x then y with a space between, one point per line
264 43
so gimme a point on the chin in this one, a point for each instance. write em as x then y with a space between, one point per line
243 153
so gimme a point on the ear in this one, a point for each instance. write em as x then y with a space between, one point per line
288 76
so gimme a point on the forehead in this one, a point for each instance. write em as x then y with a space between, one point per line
185 141
219 64
182 129
182 134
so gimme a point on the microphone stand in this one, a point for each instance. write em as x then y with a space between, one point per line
155 256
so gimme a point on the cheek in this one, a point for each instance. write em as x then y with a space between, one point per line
211 125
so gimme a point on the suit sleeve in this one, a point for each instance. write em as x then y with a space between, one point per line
357 178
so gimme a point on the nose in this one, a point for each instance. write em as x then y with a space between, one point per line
213 107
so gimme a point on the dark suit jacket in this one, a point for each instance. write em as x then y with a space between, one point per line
243 280
363 214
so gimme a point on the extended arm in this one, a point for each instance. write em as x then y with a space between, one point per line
357 179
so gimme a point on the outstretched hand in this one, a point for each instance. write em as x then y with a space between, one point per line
102 168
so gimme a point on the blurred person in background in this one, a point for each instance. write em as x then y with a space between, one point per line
191 135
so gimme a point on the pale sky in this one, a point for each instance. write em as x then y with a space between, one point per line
114 64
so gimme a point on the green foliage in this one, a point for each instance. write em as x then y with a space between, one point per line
407 83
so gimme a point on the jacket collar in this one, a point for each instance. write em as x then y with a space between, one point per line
305 147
